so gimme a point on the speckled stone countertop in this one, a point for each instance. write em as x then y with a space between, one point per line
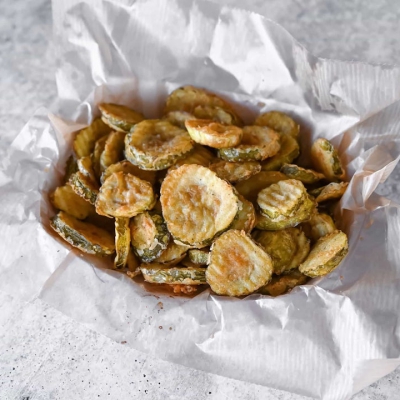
45 355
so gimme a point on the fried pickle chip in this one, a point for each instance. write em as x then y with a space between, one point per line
279 122
245 219
326 160
302 214
237 265
332 191
302 248
156 144
287 248
82 235
118 117
258 143
197 205
71 166
235 171
319 225
326 255
280 245
288 151
173 254
83 186
149 236
158 273
252 186
122 242
86 138
282 198
85 166
199 256
307 176
213 134
96 155
189 99
124 195
200 155
128 168
281 284
113 150
217 114
178 118
65 199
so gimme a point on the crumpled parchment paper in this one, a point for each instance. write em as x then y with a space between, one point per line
327 339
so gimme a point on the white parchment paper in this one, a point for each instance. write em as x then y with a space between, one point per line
327 339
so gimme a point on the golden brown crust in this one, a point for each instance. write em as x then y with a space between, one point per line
279 122
213 134
326 160
124 195
326 254
258 143
197 205
235 171
237 265
156 144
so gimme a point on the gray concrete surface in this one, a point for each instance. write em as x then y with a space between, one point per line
45 355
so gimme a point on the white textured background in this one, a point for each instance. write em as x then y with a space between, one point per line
43 354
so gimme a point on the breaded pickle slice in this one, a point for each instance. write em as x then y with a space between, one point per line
235 171
128 168
245 219
82 235
199 256
279 122
83 186
252 186
189 99
197 205
302 214
237 265
158 273
307 176
258 143
118 117
65 199
282 198
85 166
326 160
122 242
178 118
303 248
319 225
86 138
279 245
113 150
173 254
124 195
200 155
287 247
281 284
213 134
96 155
326 254
288 151
71 166
332 191
149 236
217 114
156 144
